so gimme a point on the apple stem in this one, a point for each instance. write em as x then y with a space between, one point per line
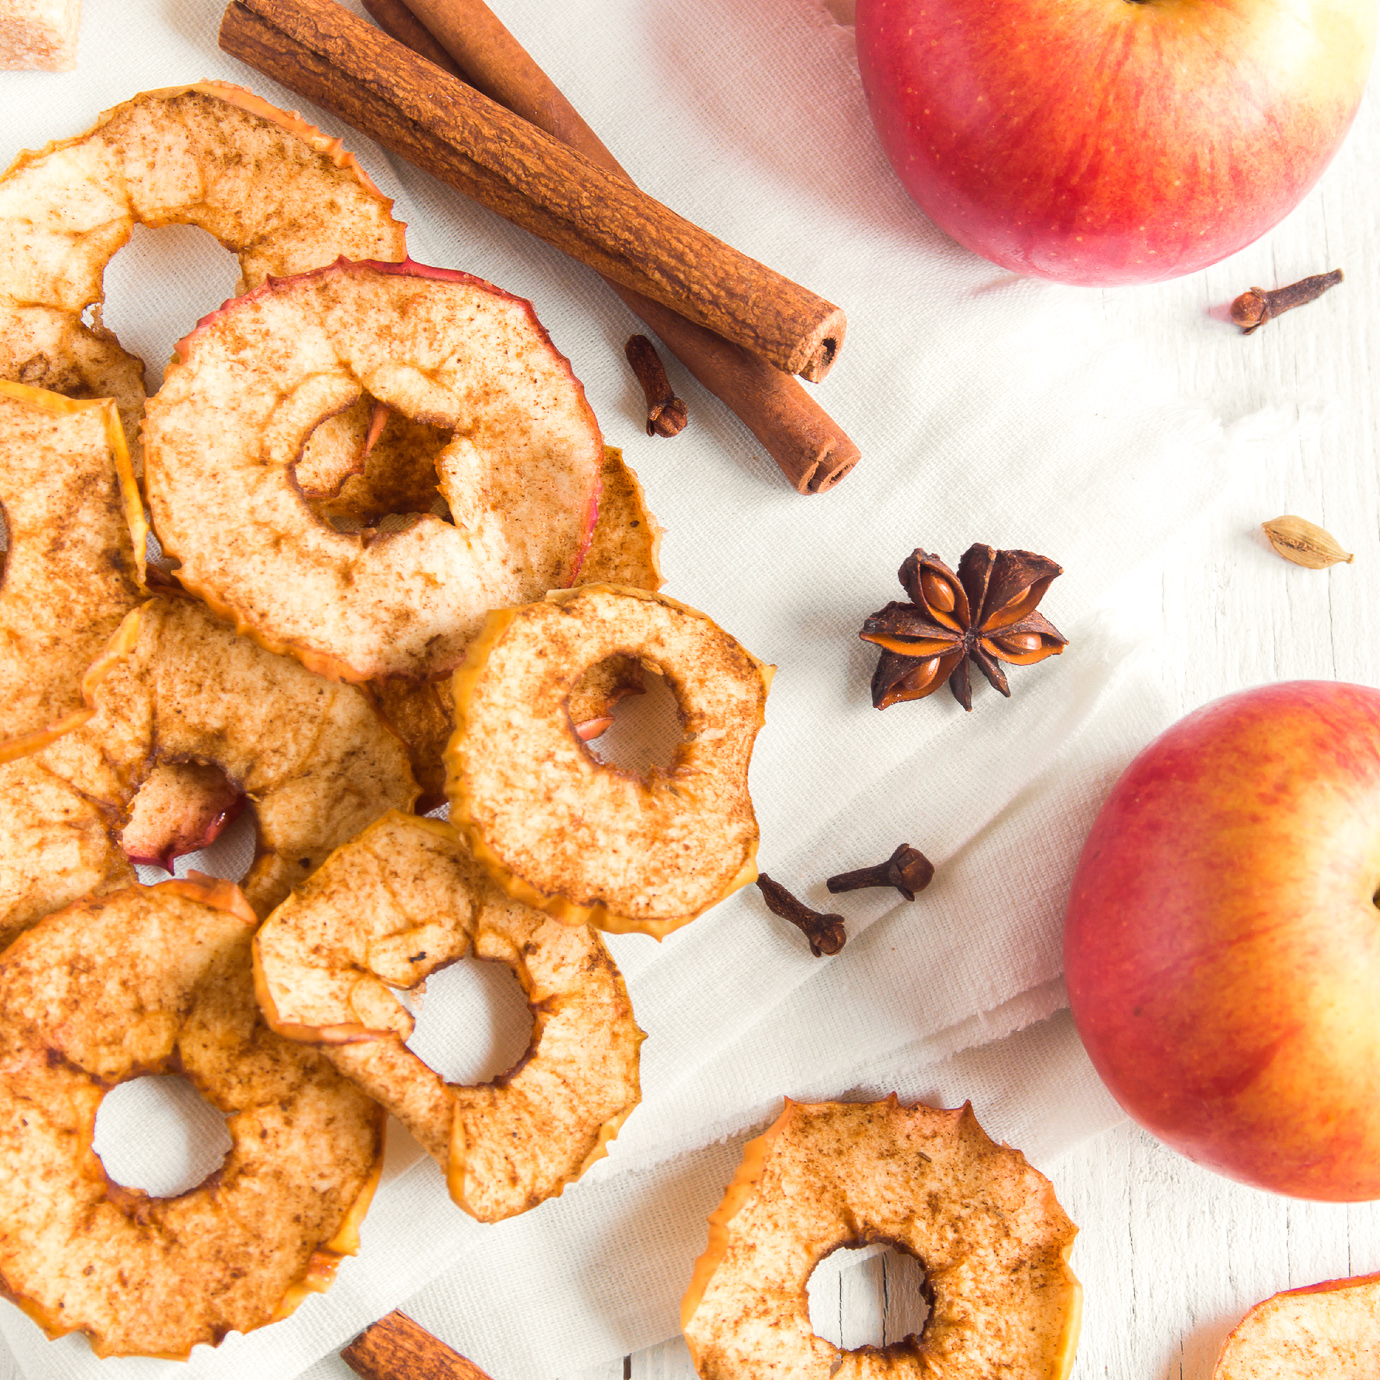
1253 309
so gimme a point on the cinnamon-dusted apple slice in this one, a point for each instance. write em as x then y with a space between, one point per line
314 757
986 1227
270 187
154 980
622 550
519 474
1328 1331
625 546
394 905
570 835
625 550
55 846
423 716
74 563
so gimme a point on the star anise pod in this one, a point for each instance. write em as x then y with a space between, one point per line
985 614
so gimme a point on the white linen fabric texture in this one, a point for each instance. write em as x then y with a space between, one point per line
988 408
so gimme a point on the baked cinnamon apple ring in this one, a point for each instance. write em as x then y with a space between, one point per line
576 838
519 474
269 186
314 757
394 905
141 981
985 1226
622 550
74 563
56 846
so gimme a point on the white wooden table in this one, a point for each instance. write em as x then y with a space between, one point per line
1171 1256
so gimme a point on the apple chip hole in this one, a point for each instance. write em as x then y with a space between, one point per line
159 285
473 1021
867 1296
4 541
646 731
159 1134
369 468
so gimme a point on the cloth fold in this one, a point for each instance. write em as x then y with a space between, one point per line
988 409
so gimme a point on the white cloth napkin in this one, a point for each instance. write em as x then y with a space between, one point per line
988 409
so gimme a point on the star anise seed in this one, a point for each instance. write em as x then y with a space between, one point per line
985 613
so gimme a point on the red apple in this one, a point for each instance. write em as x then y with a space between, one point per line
1222 941
1110 141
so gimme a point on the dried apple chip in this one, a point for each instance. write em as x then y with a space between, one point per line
394 905
519 474
423 716
55 846
984 1225
314 757
625 546
1328 1331
270 187
622 550
73 566
148 980
581 840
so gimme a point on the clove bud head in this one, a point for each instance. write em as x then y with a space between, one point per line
1248 311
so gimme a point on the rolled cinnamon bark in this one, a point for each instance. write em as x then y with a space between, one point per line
524 174
396 1348
397 21
812 450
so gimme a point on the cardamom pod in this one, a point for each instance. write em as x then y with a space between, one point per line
1304 542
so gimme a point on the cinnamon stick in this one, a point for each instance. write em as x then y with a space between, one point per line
351 68
813 451
396 1348
397 21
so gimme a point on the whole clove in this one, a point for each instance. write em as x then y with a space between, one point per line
907 869
666 415
1255 307
825 932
